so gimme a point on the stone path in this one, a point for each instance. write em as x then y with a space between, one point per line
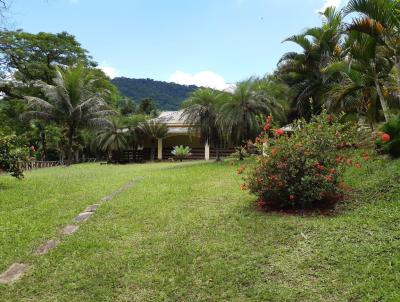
46 247
13 273
16 270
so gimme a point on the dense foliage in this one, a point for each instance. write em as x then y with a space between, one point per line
303 169
12 151
168 96
351 67
388 140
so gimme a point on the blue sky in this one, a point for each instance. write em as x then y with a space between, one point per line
207 42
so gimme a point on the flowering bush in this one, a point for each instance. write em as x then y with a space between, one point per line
388 140
302 170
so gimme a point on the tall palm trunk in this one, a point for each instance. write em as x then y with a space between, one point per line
382 100
44 145
71 132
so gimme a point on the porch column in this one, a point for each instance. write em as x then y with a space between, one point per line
207 151
159 149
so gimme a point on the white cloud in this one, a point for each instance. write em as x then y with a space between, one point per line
202 79
328 3
109 70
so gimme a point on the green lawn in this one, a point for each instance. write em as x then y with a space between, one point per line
188 233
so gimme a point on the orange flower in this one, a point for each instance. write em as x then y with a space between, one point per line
243 187
333 171
279 132
349 161
274 151
357 165
241 169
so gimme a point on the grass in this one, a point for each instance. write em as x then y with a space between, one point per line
188 233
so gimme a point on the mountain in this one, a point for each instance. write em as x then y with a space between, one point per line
168 96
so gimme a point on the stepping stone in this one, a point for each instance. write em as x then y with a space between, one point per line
13 273
92 208
46 247
106 198
69 229
83 216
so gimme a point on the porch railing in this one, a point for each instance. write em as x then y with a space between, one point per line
30 165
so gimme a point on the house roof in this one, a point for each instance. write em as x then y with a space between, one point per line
170 118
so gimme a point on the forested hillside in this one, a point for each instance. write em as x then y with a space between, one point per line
168 96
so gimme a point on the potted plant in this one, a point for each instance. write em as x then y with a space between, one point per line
181 152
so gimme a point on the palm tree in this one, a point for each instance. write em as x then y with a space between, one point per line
73 102
302 71
201 112
154 131
363 72
238 116
112 138
380 20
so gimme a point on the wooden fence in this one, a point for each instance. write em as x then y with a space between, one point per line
30 165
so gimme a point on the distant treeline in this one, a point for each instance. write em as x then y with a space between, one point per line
168 96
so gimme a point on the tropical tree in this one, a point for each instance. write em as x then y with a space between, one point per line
113 137
303 71
201 113
363 73
380 20
238 116
34 57
73 102
154 131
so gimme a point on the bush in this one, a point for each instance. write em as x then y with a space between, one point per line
388 140
301 170
181 152
11 151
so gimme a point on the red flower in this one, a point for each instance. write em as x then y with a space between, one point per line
357 165
320 167
333 171
349 161
329 178
269 118
292 197
385 138
267 127
279 132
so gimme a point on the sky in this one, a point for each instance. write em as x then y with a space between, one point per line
208 43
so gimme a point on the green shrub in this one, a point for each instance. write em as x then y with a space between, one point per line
181 152
302 170
12 151
388 140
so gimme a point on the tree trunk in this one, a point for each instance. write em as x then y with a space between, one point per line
152 151
397 63
44 145
217 154
382 100
70 142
